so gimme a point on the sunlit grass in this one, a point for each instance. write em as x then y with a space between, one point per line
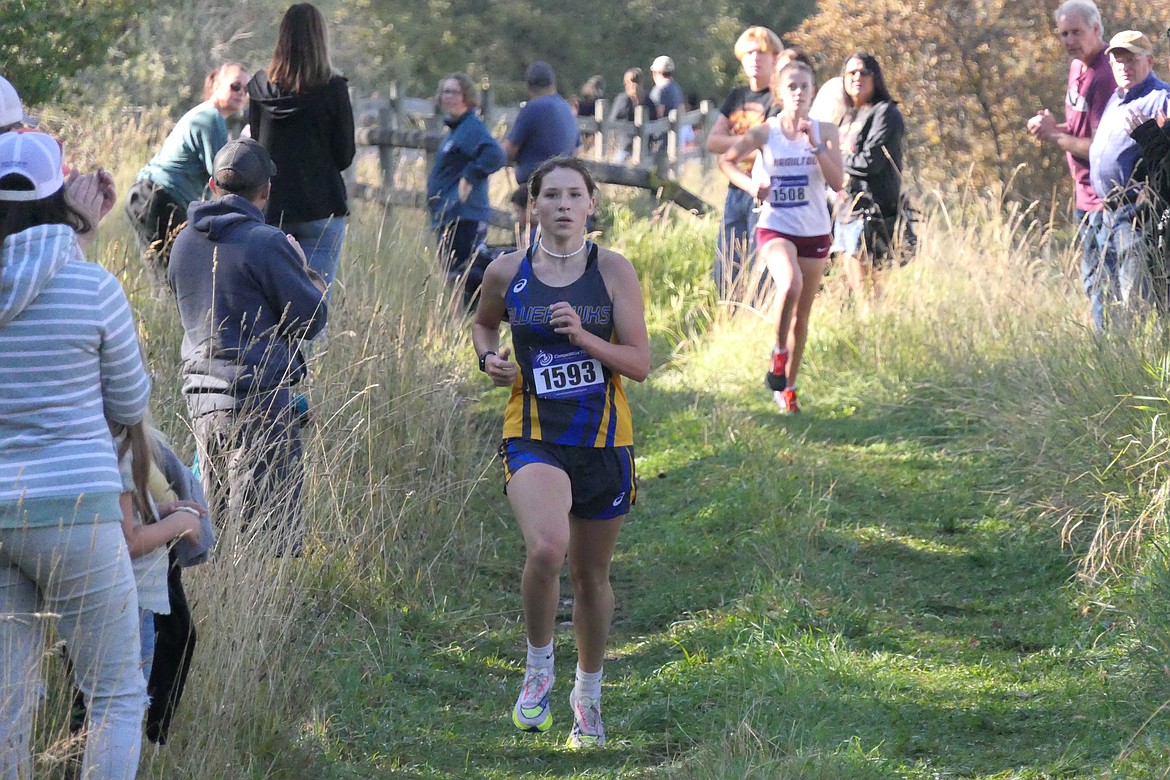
877 588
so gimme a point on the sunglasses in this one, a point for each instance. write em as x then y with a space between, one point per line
236 86
862 72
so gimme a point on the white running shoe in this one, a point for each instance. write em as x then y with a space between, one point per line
588 730
532 712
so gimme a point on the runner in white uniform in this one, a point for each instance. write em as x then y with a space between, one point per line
798 158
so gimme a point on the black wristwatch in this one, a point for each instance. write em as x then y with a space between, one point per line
483 360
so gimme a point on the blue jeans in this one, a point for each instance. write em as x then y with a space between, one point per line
321 239
1098 264
1123 233
736 247
146 631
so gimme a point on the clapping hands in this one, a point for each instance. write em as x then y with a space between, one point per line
1137 118
92 195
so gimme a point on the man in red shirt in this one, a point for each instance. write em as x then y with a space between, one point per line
1090 84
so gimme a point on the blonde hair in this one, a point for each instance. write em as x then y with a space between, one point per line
142 442
768 41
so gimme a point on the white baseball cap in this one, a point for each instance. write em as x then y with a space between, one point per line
662 64
33 156
11 112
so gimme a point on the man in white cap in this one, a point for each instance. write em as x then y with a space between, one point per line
12 116
666 94
1114 159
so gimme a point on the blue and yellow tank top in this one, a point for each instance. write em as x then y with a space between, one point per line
563 395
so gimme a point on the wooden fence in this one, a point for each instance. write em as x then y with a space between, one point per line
399 122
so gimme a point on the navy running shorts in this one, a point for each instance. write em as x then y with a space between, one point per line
602 479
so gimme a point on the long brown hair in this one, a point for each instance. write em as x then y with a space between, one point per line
300 61
18 215
536 180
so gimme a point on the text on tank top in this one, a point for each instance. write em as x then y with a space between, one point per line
796 196
563 394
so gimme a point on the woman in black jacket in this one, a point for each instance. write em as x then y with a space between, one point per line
1152 135
872 153
300 112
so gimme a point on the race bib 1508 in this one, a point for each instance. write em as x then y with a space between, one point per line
788 192
567 373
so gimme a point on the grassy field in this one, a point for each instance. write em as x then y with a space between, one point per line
950 565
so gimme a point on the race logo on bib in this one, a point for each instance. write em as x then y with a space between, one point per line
566 373
788 192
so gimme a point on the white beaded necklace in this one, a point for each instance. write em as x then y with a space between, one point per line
550 253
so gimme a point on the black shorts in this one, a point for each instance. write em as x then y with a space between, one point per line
602 479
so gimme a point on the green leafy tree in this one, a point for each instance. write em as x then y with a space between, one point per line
175 46
968 74
45 42
421 40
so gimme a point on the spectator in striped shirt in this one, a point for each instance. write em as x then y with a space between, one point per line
69 357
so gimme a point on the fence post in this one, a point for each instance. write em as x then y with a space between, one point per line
641 153
487 101
669 163
599 146
707 109
388 119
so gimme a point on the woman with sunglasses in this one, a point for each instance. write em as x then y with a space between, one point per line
300 112
178 174
867 211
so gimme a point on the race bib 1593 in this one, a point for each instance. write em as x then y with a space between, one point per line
566 373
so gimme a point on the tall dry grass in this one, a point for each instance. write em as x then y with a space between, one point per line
986 326
390 463
990 325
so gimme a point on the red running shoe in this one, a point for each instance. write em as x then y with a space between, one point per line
776 379
786 400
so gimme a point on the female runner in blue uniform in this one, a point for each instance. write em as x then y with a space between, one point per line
576 316
797 157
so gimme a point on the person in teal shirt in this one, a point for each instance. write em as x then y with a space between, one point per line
178 173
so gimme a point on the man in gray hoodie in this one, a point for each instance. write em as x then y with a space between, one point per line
246 299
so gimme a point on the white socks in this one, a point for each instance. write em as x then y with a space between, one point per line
588 684
540 657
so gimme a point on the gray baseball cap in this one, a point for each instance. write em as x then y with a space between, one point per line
247 160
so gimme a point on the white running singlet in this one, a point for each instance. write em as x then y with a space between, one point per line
796 204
